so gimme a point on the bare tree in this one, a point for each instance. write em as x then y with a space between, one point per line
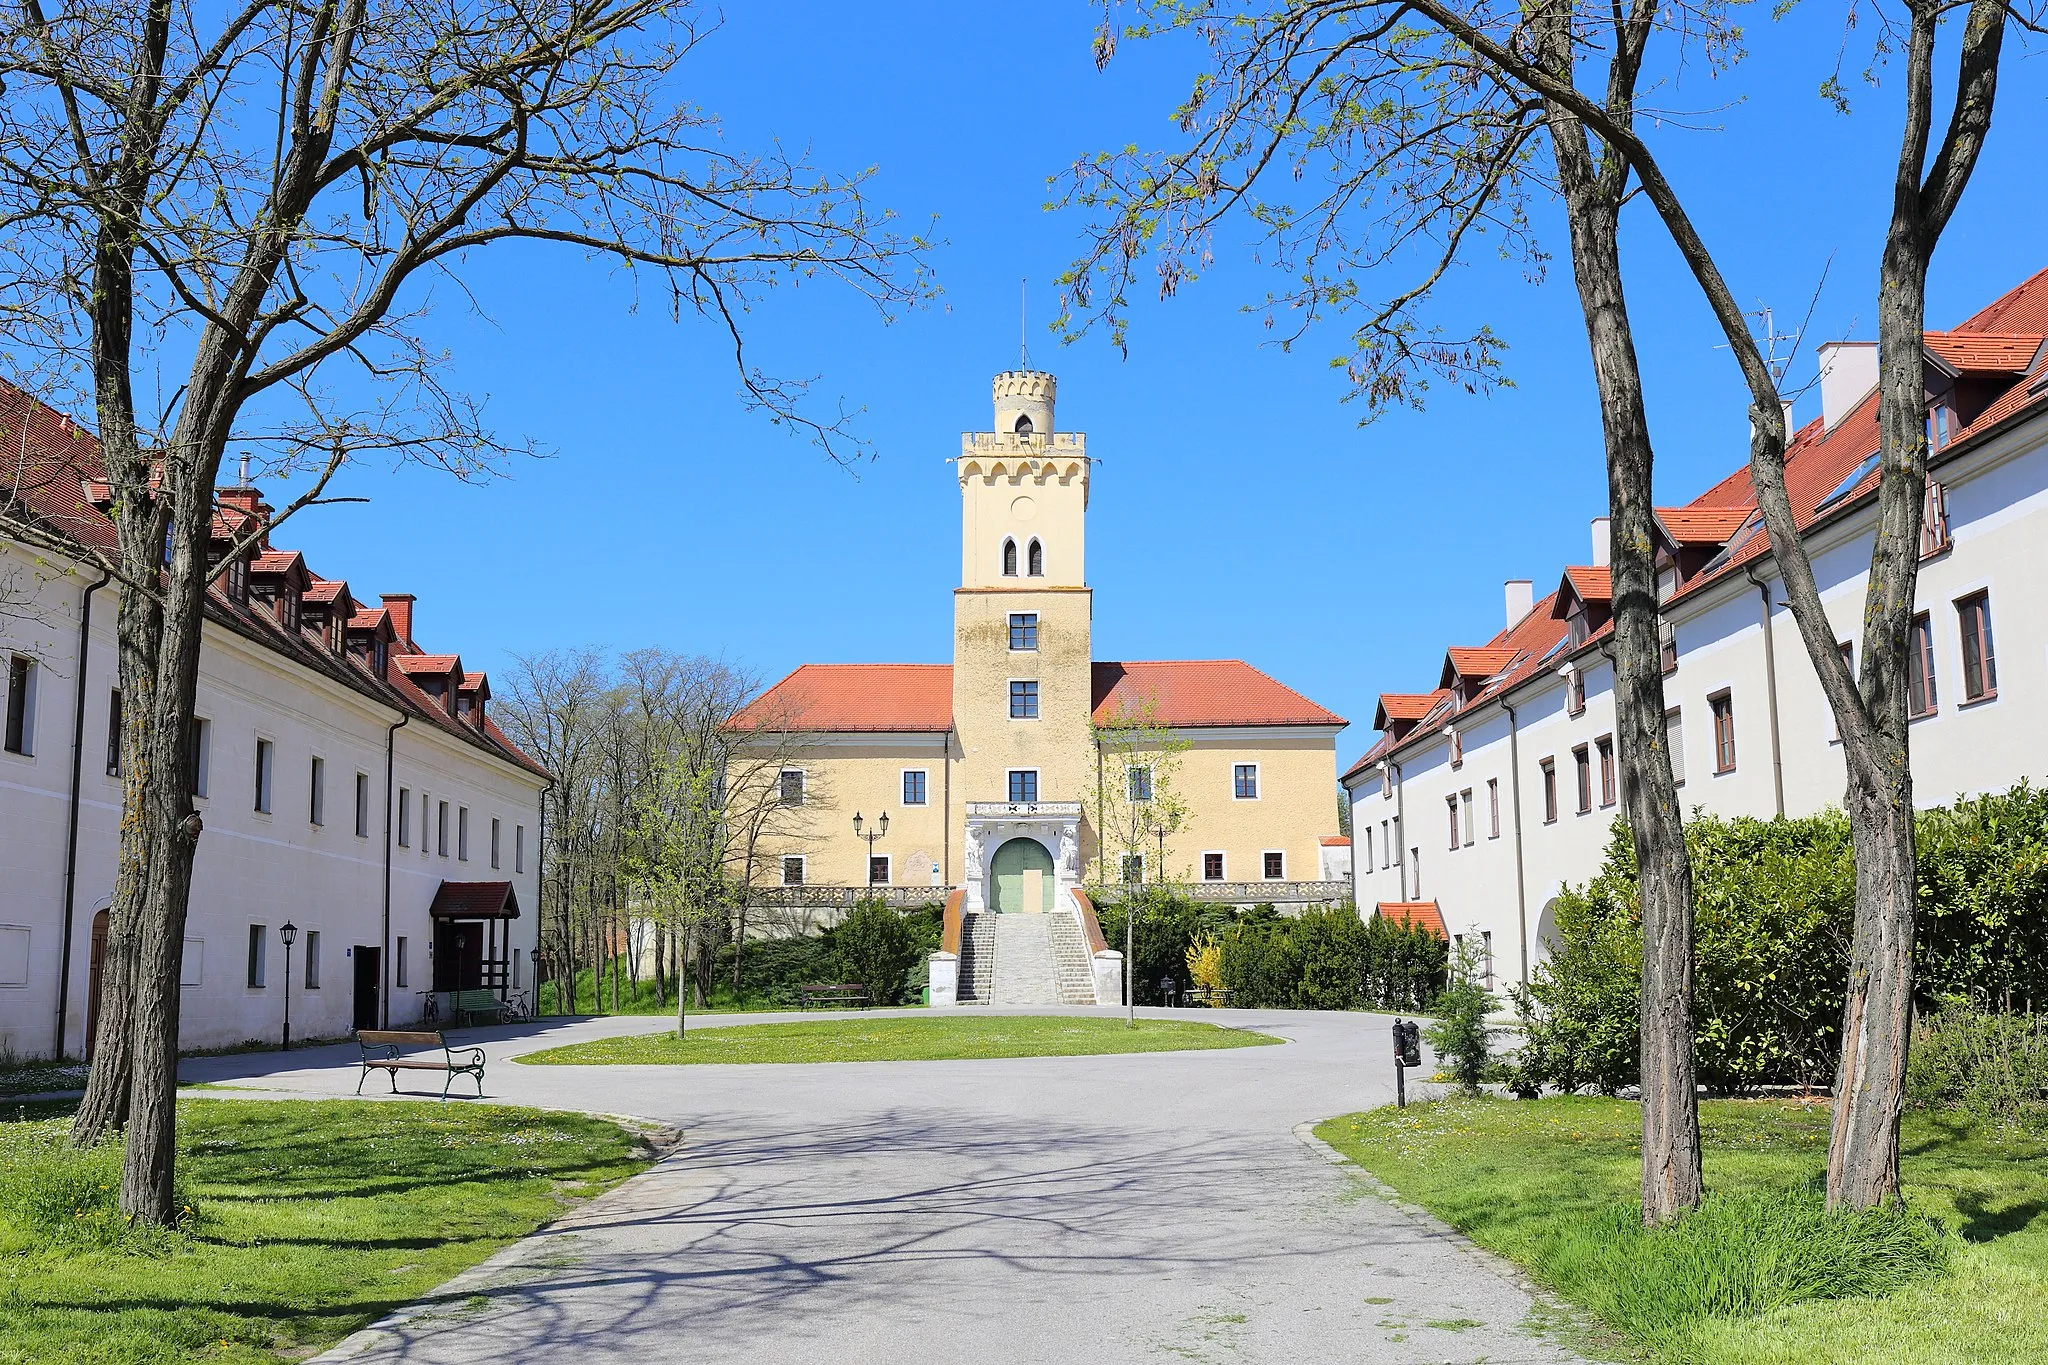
252 202
1419 146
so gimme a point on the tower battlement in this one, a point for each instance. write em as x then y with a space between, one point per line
1024 402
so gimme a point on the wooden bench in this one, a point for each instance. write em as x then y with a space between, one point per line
1207 995
470 1006
393 1051
828 997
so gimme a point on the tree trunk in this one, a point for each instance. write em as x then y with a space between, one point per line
1671 1171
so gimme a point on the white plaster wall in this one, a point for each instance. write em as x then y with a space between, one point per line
251 867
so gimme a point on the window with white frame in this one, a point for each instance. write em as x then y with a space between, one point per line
1471 825
878 869
914 787
266 760
1023 630
399 964
1139 782
21 705
1451 809
1244 781
1023 785
793 870
791 787
1212 867
1493 808
1273 864
1024 699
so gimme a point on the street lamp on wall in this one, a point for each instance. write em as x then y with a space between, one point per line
874 833
288 934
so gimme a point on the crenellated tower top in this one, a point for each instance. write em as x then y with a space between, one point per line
1024 402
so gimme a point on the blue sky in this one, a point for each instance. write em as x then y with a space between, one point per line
1239 509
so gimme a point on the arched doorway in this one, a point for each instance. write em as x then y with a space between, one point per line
1019 868
95 971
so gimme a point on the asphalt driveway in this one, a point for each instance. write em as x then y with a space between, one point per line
1149 1207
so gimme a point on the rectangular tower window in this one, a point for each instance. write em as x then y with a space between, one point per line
441 828
913 787
1244 780
1024 699
1024 784
1023 630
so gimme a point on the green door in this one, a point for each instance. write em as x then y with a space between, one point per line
1012 861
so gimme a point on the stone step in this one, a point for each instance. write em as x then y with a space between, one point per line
1024 967
977 959
1072 961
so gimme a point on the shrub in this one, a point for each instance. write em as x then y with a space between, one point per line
1993 1067
874 946
1459 1035
1775 907
1205 964
53 1194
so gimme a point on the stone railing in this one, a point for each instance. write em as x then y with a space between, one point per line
1023 810
845 897
1242 893
985 442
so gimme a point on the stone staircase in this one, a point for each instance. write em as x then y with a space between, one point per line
977 958
1024 971
1072 963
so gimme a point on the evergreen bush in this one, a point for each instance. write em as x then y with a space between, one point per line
1459 1034
875 947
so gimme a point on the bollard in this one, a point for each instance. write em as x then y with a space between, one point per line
1407 1053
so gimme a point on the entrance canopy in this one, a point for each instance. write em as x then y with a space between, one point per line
474 900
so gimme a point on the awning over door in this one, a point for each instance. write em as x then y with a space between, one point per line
474 900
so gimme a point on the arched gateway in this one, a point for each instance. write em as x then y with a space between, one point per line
1021 878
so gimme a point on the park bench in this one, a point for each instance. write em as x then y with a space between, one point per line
832 996
1207 995
470 1006
393 1051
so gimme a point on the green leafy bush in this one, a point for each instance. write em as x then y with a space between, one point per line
1775 906
1459 1035
1993 1067
1325 958
874 946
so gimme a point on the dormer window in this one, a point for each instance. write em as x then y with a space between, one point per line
1009 559
238 579
1575 625
286 606
380 657
1037 560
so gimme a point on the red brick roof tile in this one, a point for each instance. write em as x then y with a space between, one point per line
1987 352
1698 525
1481 662
879 698
1198 693
1423 914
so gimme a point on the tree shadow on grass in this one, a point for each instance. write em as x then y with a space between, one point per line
1987 1220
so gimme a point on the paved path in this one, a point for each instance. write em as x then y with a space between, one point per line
1157 1207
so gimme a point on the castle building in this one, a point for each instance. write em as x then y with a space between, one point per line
994 770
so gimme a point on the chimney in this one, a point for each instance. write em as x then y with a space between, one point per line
399 605
1848 371
1521 600
1601 539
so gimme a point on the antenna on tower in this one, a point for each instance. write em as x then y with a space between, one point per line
1023 336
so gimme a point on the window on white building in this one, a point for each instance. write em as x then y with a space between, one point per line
316 797
266 755
405 817
259 943
1493 807
1471 825
21 705
202 753
114 732
462 834
398 963
494 843
312 959
441 829
519 848
362 805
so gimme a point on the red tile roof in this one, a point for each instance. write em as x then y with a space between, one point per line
2008 334
51 462
1335 841
1701 525
1414 913
1198 693
1987 352
1404 706
918 698
1481 662
427 663
879 698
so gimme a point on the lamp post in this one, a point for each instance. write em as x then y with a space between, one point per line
288 933
874 834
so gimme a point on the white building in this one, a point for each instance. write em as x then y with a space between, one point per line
1497 784
351 785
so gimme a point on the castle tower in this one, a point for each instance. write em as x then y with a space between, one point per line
1021 647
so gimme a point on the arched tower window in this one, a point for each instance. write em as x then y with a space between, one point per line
1009 559
1037 560
1024 427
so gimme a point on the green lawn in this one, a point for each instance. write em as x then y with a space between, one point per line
312 1220
900 1039
1547 1182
